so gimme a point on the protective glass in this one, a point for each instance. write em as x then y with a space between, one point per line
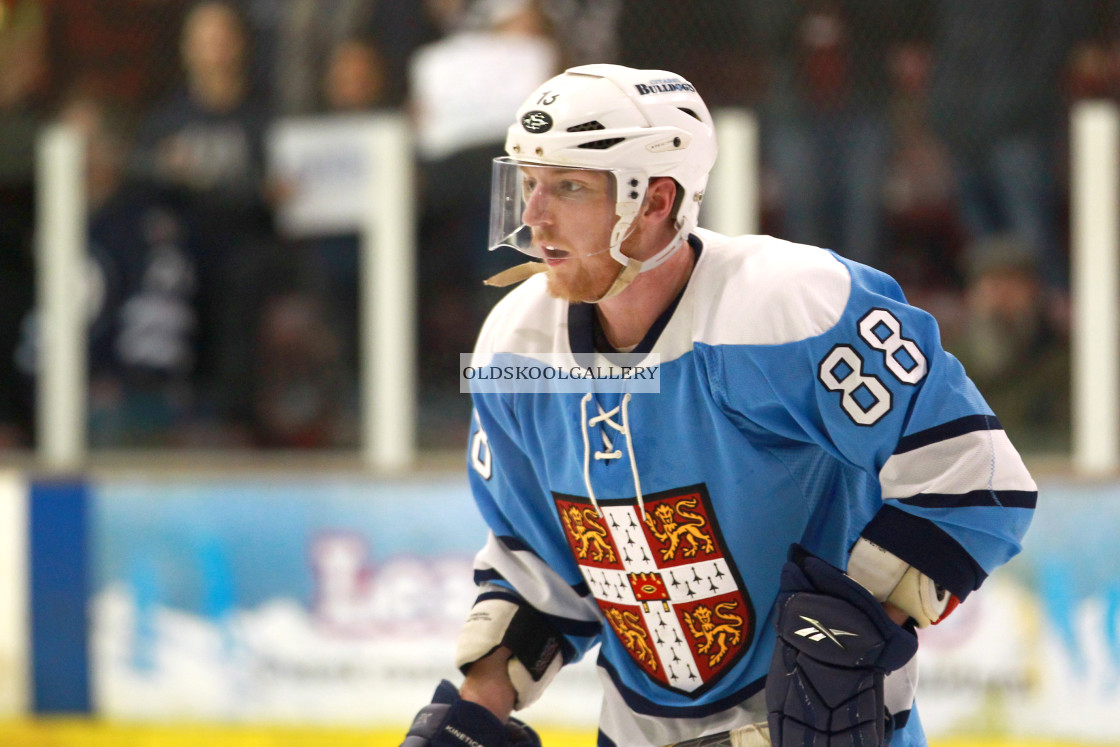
523 193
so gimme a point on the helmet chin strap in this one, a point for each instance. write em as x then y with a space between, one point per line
629 270
515 274
630 267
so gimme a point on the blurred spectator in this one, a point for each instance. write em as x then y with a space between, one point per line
124 50
353 83
460 85
1092 72
355 78
299 399
204 147
1016 354
205 140
717 50
587 30
446 16
997 102
23 77
322 316
1094 64
465 89
921 222
294 40
825 129
143 324
714 50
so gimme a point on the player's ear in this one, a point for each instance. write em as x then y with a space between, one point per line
661 197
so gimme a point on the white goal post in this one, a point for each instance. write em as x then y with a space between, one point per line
1095 286
61 297
731 205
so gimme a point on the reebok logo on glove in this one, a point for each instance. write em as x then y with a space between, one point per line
819 632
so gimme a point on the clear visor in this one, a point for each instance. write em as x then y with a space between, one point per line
550 199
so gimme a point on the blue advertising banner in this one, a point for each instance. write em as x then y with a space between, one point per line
1035 653
336 599
58 574
322 599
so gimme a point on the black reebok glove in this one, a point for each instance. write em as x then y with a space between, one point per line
835 645
450 721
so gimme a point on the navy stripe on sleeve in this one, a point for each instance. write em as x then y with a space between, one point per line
945 431
507 596
1002 498
927 547
481 576
514 544
574 628
563 625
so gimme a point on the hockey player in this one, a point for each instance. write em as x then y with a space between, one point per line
754 545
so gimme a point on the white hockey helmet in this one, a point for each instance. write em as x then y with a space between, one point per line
635 124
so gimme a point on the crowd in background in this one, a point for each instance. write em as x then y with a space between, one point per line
924 137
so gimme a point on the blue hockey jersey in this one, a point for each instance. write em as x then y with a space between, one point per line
801 400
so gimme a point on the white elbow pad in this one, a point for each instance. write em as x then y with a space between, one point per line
497 621
891 579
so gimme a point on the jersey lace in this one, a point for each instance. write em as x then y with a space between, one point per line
607 417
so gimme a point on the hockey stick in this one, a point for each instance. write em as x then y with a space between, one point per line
712 740
751 735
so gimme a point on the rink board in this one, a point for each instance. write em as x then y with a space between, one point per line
330 602
84 734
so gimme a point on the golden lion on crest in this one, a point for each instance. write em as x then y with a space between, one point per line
672 531
724 635
583 526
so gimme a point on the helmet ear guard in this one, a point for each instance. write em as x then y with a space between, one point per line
632 193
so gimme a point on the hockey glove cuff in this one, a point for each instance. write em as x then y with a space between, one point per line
450 721
835 646
500 620
891 579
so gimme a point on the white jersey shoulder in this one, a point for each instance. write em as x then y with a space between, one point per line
759 290
748 290
527 321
